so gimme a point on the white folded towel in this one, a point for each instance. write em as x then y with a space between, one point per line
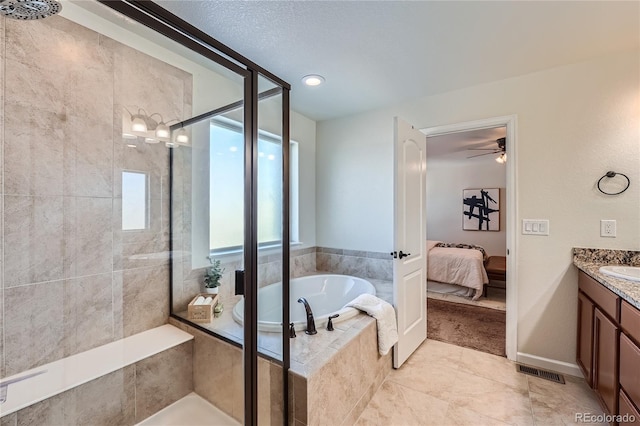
385 317
199 301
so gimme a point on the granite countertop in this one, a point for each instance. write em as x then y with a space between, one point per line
590 260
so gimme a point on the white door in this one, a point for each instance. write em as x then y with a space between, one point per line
410 234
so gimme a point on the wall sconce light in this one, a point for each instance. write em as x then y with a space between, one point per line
143 125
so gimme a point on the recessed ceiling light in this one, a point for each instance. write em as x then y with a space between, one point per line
313 80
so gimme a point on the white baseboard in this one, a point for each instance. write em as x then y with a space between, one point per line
549 364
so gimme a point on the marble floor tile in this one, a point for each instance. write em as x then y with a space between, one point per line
492 399
477 389
394 404
463 416
555 403
492 367
436 352
431 378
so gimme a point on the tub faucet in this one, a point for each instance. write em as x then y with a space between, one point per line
311 325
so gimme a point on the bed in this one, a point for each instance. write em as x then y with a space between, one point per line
456 269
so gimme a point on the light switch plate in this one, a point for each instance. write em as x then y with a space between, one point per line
535 226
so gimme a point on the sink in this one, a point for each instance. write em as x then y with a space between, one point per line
625 272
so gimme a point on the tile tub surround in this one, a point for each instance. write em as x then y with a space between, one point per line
341 369
364 264
123 397
302 262
61 166
590 260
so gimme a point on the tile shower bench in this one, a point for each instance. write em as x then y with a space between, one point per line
122 382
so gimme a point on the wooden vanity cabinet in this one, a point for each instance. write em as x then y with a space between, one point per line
629 398
608 351
605 360
598 336
585 336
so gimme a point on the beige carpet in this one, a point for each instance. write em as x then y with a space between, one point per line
470 326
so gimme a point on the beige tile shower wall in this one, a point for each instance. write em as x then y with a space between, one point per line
218 377
2 84
71 278
364 264
124 397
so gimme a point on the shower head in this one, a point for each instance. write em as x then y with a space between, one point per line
29 9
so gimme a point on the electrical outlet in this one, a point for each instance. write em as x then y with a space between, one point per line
608 228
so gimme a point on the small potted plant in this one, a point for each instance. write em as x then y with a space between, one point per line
212 277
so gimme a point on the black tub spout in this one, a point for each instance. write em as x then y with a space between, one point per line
311 325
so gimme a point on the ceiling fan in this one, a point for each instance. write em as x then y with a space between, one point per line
501 149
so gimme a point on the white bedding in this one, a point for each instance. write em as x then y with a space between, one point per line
463 267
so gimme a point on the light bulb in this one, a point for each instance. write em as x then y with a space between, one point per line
162 131
182 137
138 124
313 80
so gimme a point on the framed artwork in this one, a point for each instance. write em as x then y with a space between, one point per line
481 209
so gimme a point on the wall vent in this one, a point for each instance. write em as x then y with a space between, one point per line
543 374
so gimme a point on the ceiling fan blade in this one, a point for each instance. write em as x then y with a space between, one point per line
486 153
481 149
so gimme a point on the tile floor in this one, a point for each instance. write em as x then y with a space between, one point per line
443 384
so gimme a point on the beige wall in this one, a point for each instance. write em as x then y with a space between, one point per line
574 123
72 278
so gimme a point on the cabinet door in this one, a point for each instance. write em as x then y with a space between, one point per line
584 357
630 369
605 352
629 415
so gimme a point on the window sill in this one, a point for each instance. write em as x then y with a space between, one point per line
266 249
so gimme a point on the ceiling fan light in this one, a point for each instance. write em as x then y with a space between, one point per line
502 158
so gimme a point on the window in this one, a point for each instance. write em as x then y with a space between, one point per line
134 201
226 231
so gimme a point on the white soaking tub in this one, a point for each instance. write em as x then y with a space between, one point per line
326 294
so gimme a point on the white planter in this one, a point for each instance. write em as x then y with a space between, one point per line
213 290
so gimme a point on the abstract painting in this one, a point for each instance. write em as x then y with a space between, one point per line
481 209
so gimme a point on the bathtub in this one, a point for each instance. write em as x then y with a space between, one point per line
326 294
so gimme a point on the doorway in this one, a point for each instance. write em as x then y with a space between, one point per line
490 127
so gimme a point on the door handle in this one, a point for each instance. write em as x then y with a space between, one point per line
401 254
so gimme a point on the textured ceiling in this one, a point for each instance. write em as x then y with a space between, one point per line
375 54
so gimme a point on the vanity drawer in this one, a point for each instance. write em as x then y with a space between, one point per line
630 320
629 368
607 301
629 415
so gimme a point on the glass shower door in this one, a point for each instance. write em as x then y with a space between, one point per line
273 253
